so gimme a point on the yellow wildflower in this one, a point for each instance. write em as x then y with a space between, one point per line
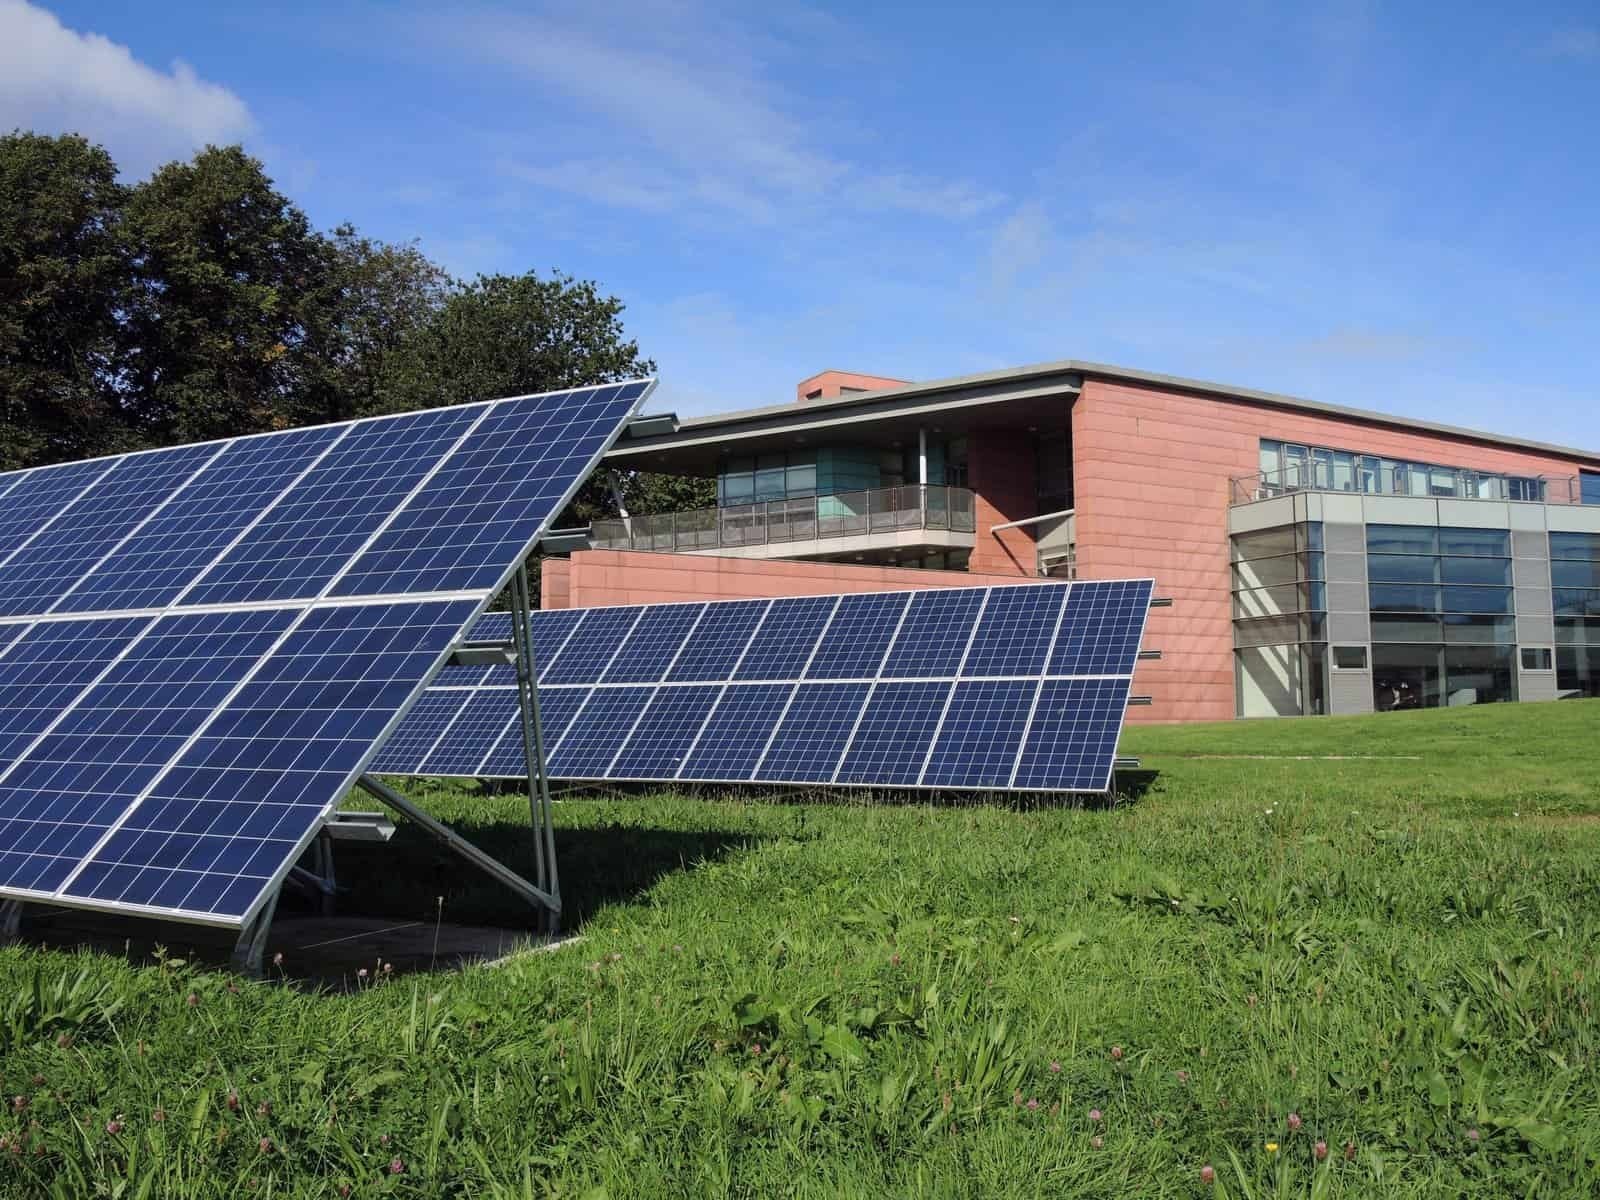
1272 1147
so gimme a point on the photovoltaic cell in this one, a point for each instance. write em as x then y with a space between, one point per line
515 468
310 534
37 574
1101 628
592 646
733 738
653 643
41 497
1013 636
424 725
858 636
719 641
784 642
506 755
169 551
896 728
813 733
1073 737
45 669
76 782
592 738
290 739
982 732
922 720
658 744
173 755
934 637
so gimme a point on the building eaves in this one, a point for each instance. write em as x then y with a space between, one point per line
1068 373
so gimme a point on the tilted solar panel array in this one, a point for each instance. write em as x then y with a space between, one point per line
1016 688
200 647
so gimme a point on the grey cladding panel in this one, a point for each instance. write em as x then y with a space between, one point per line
1340 538
1350 692
1536 685
1528 544
1533 601
1348 597
1534 630
1348 627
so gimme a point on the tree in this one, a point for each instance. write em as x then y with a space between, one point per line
61 269
382 296
227 322
507 335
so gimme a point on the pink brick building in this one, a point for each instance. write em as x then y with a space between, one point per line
1320 559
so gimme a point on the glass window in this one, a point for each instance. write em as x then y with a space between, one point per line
1577 671
1268 631
1314 667
1313 535
1589 487
1269 601
1578 631
1294 465
1264 543
1344 471
1402 568
1582 546
801 480
1577 602
1350 658
737 489
1575 574
1496 543
1403 597
1476 570
1406 677
1402 539
769 484
743 465
1442 481
1396 627
1268 681
1270 459
1537 658
1477 600
1478 675
1322 467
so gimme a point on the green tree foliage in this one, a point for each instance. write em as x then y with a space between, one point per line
61 267
201 303
507 335
228 305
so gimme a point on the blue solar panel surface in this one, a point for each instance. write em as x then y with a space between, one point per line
202 647
1003 688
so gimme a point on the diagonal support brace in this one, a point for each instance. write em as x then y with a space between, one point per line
459 845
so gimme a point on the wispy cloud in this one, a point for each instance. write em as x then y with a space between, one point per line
690 106
1580 45
56 80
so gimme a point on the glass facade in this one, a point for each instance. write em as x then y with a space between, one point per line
1443 624
1280 621
752 479
1589 487
1575 591
1290 466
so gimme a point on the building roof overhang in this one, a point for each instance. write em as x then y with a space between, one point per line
1032 396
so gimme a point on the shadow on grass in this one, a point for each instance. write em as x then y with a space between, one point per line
415 877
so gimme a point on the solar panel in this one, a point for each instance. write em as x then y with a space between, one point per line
1003 688
202 647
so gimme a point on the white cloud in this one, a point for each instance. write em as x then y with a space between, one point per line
691 108
56 80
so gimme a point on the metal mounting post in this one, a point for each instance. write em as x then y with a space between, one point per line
10 920
252 943
539 810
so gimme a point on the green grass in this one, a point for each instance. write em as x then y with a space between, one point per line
777 999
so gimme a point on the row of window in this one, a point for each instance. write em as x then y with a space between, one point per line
1288 465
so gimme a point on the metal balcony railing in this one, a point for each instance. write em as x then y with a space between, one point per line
840 514
1420 481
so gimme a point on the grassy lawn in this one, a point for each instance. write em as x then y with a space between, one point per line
1392 954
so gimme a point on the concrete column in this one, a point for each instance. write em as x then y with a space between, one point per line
922 457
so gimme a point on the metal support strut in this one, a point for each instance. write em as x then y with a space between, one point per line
252 944
544 834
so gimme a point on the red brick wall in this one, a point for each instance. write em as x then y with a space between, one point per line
1001 469
1151 471
832 383
555 583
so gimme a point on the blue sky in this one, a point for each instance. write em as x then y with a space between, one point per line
1382 206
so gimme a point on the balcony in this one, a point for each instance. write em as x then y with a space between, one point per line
1417 481
884 518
